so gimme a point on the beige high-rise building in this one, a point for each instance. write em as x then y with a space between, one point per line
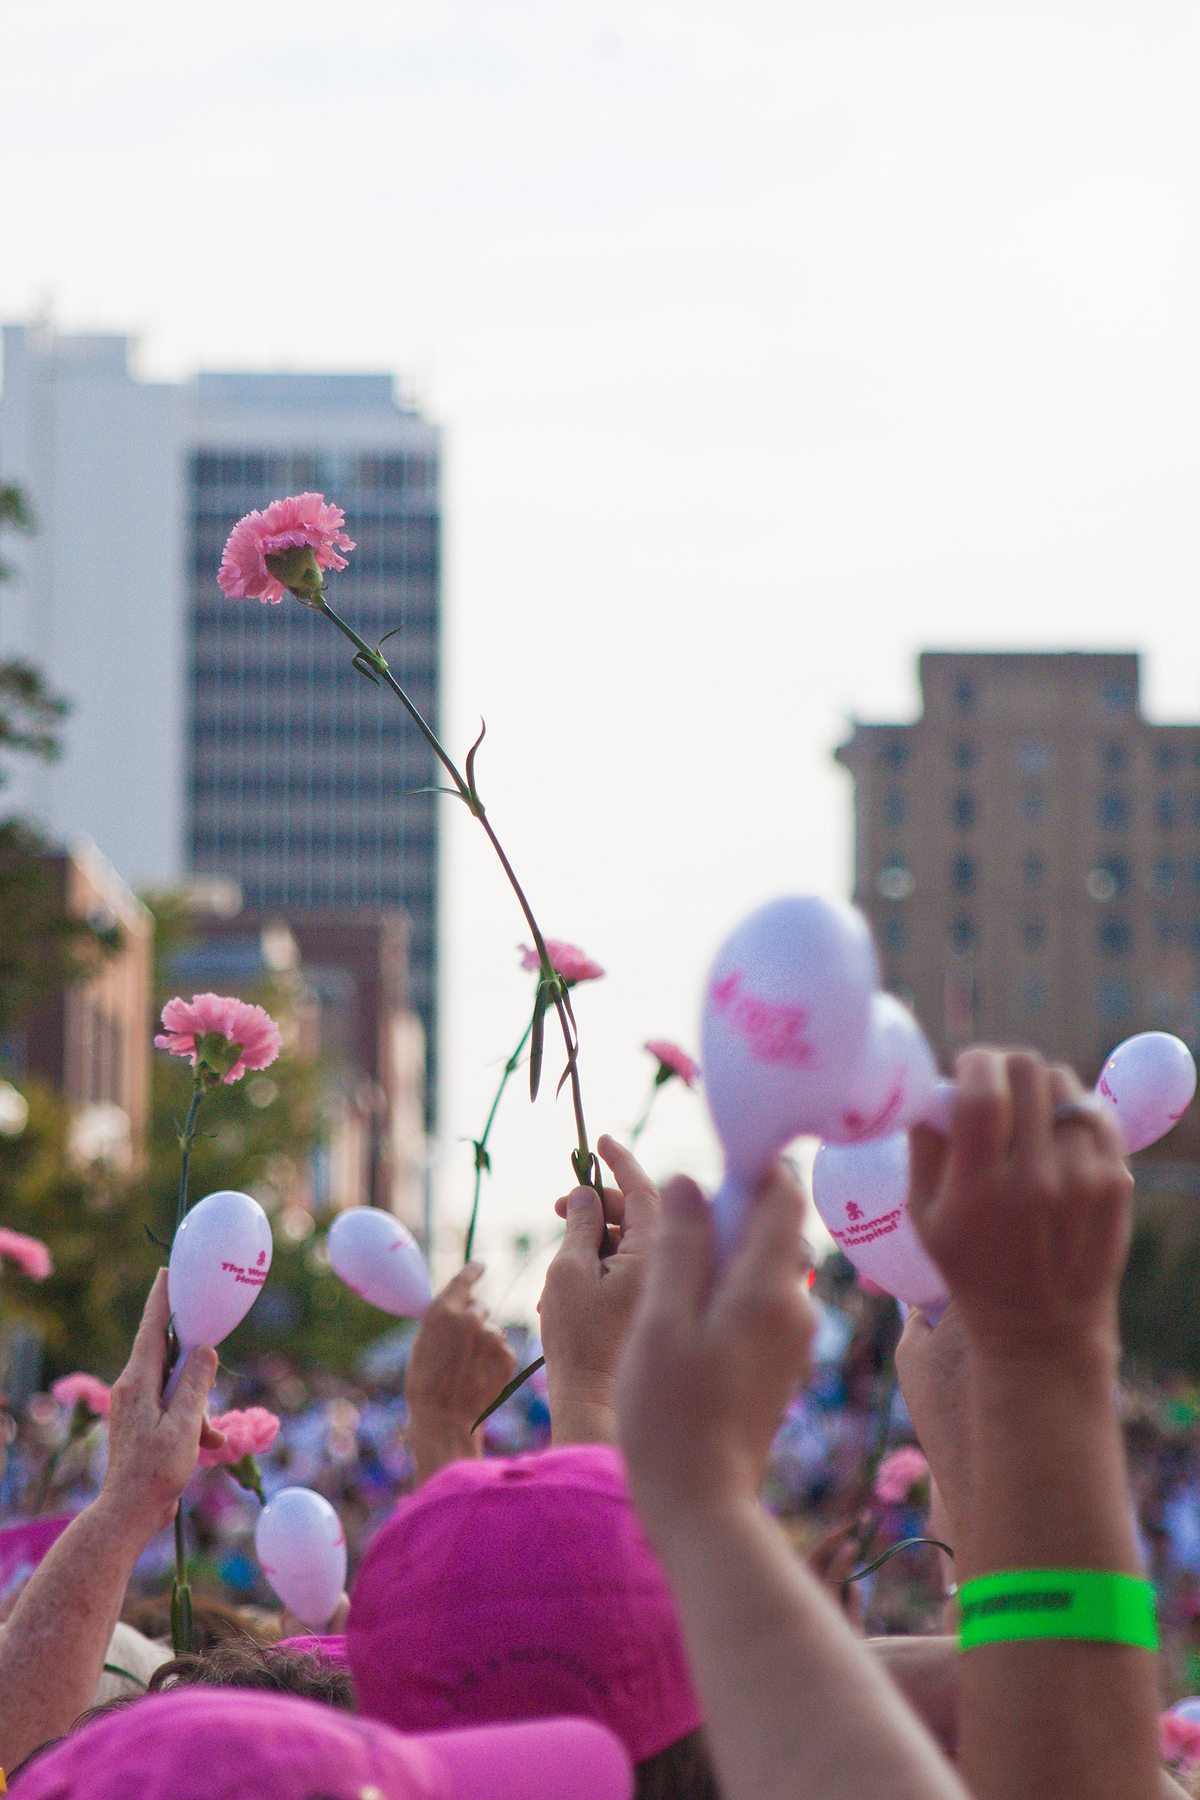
1028 853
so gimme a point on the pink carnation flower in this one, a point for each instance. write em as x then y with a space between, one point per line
675 1061
247 1433
565 959
1179 1738
29 1254
249 1029
302 520
899 1474
94 1394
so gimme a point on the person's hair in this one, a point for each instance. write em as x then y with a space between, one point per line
241 1663
216 1619
680 1772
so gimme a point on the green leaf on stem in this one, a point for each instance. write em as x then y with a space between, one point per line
245 1473
471 759
506 1393
482 1159
359 662
537 1037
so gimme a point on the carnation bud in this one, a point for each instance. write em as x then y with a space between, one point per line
297 568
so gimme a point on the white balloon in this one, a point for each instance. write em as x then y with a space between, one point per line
301 1550
1146 1086
895 1079
380 1260
861 1193
784 1022
219 1261
1188 1709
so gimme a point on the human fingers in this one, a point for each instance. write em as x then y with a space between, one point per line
981 1129
456 1295
192 1390
210 1437
643 1204
684 1264
764 1284
614 1205
585 1230
1086 1123
146 1359
1029 1088
928 1151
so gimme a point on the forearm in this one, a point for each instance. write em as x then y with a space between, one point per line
1053 1717
791 1701
581 1408
926 1670
52 1651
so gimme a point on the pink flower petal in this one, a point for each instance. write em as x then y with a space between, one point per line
93 1392
284 525
676 1060
565 959
29 1254
899 1473
247 1433
236 1020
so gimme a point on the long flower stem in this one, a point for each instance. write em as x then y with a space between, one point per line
183 1628
481 1161
185 1141
644 1120
373 663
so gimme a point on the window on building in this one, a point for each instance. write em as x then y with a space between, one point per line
1114 935
894 754
1162 875
895 881
1168 757
962 875
894 808
965 754
962 810
1114 999
1116 696
963 935
1113 810
1033 869
1034 996
1166 810
1033 758
1033 802
892 931
966 692
1108 878
1033 932
1115 756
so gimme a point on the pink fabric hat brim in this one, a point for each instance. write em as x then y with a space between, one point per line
242 1744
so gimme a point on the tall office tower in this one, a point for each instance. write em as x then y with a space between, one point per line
1028 853
303 776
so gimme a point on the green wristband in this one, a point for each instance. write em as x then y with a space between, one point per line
1099 1606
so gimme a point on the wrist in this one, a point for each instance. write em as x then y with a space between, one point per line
582 1409
126 1522
437 1437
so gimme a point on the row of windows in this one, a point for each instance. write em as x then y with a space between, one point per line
253 840
404 607
317 784
304 472
413 673
1114 936
1114 809
297 730
1035 758
1109 878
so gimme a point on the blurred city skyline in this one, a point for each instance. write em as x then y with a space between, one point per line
771 346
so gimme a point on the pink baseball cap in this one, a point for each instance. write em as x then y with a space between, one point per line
519 1589
239 1744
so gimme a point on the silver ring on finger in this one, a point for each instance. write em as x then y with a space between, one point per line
1077 1112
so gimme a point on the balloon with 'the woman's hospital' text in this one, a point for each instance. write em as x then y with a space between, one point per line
301 1549
219 1260
783 1027
380 1260
861 1193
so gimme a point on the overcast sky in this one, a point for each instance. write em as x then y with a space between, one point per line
772 343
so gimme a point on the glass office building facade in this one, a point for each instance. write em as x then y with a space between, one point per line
303 777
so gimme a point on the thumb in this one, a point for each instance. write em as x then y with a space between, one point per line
927 1153
191 1395
585 1225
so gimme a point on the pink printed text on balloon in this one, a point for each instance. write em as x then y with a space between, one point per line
774 1032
